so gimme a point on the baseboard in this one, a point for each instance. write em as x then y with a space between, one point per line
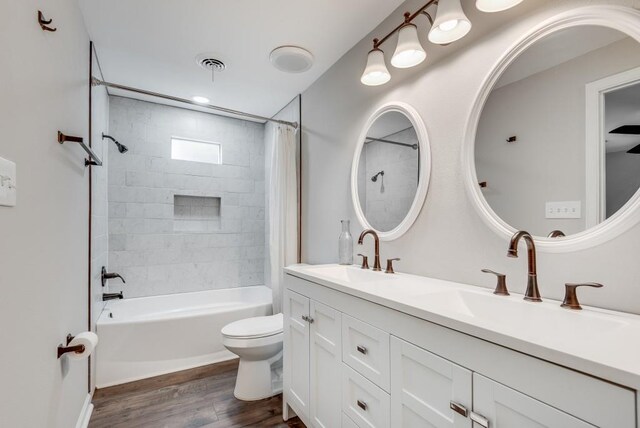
85 413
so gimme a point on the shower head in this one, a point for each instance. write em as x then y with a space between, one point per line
121 147
375 177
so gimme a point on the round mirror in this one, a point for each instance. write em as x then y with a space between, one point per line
390 172
556 150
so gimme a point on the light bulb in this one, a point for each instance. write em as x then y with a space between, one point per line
496 5
449 25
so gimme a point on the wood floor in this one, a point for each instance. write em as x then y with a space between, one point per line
201 397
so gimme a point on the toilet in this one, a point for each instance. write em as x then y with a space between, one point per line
258 343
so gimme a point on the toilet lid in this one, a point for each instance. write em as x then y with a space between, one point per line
254 327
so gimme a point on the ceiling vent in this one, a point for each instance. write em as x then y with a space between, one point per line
291 59
209 62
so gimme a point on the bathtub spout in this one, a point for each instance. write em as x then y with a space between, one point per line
112 296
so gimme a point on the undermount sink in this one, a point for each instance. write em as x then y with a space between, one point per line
349 273
516 314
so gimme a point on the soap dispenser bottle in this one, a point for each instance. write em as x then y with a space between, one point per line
345 242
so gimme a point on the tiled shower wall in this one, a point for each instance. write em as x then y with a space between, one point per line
148 244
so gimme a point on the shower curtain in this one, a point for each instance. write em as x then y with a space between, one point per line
283 208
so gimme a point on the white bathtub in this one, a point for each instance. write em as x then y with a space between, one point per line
149 336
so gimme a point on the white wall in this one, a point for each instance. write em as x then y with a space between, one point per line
449 240
546 111
44 87
145 246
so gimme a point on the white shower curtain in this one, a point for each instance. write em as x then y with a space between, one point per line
283 208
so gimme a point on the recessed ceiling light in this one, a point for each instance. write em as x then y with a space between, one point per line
291 59
201 100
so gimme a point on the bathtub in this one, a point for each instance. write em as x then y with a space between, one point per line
149 336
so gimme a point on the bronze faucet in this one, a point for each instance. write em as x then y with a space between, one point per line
376 261
532 294
556 234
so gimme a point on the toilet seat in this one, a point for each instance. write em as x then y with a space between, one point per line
254 328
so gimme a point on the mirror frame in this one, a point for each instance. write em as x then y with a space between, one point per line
624 19
423 179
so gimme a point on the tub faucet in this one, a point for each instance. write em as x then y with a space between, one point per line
532 294
109 275
376 261
112 296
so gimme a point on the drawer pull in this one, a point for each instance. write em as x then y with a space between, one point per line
479 419
305 318
310 320
362 350
458 408
362 405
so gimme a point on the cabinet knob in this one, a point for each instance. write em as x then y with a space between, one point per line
361 349
362 405
310 320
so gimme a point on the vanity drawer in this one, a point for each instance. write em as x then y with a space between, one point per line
367 405
366 350
347 422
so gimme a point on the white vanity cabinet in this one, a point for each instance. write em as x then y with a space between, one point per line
353 362
312 359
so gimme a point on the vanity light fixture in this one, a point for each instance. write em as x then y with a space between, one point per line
451 24
375 73
409 52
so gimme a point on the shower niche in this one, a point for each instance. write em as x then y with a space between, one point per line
196 214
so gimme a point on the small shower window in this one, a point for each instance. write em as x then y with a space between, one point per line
195 150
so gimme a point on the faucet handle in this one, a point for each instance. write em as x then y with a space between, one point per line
365 261
571 297
390 265
501 285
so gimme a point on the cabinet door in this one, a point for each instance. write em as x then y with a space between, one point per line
296 352
504 407
326 362
424 386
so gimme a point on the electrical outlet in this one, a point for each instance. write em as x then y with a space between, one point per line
8 187
566 209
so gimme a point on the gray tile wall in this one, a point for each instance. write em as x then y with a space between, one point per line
144 246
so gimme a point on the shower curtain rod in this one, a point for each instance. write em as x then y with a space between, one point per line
97 82
382 140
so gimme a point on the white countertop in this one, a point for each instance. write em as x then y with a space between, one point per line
596 341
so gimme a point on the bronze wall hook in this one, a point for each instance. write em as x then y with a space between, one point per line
45 22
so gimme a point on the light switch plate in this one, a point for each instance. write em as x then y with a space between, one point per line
8 186
565 209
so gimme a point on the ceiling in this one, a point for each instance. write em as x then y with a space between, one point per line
152 44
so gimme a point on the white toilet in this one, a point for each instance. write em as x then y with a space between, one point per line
258 343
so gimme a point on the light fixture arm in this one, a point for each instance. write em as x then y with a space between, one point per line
408 18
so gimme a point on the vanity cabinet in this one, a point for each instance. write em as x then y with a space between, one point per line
354 363
312 359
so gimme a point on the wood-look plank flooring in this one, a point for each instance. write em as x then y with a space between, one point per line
196 398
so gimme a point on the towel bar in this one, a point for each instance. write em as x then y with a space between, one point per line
95 160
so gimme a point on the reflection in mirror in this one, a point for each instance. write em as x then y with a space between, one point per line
531 143
388 171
